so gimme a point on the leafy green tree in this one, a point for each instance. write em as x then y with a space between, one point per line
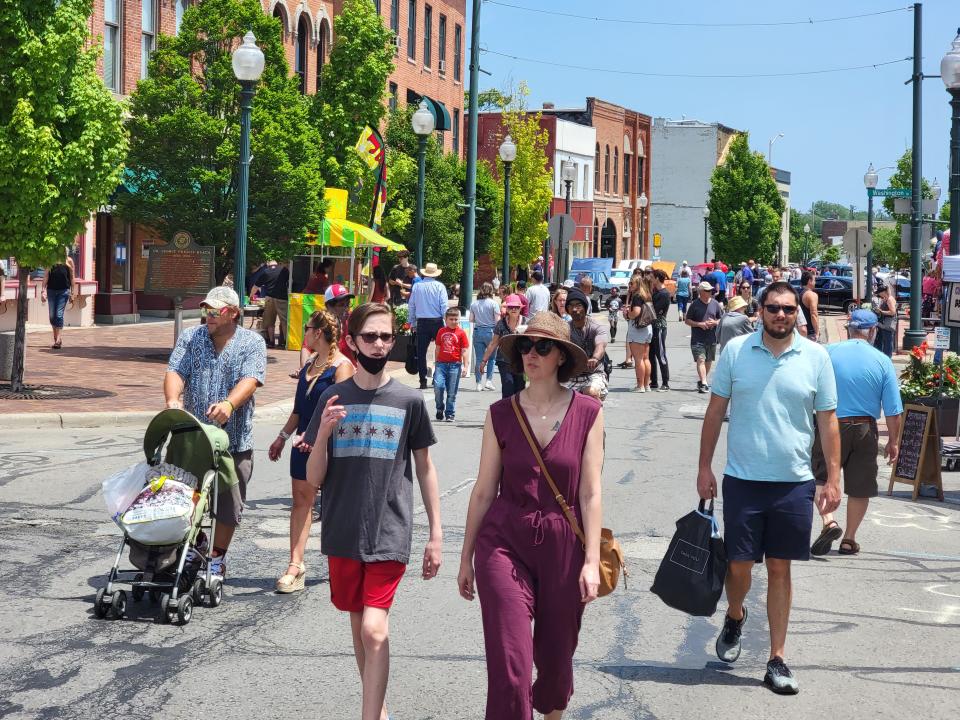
491 99
886 249
830 254
803 246
185 138
351 97
745 206
62 141
903 178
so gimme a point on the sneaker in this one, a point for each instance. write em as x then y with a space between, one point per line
489 385
439 414
637 389
703 388
480 386
423 384
652 387
664 388
779 678
450 418
218 567
728 643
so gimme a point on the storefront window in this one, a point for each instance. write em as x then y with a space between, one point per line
120 256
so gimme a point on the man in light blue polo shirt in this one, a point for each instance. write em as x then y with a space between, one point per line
866 382
773 381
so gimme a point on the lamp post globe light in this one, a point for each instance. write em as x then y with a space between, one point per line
508 153
706 216
806 239
950 73
642 201
870 179
423 124
248 62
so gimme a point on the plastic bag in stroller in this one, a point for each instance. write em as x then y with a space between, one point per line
166 508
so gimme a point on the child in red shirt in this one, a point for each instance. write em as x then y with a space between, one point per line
452 364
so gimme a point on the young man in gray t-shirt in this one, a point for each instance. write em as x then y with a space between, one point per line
366 436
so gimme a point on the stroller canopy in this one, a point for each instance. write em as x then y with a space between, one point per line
195 446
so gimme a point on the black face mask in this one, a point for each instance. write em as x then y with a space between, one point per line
372 365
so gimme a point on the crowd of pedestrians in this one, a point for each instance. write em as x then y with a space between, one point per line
358 437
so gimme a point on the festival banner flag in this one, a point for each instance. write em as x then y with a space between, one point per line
379 197
370 147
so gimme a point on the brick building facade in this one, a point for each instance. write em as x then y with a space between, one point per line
429 60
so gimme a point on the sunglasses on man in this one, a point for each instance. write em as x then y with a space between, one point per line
212 313
777 309
543 346
371 337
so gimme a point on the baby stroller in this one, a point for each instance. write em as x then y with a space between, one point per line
176 575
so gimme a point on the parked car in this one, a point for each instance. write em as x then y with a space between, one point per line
621 278
601 285
833 292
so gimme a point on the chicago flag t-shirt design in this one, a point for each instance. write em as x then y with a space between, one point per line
370 431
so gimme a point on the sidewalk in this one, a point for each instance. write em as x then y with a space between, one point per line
122 366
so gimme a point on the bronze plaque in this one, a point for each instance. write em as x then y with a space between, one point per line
181 268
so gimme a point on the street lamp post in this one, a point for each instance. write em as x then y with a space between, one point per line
568 172
642 202
508 153
423 124
770 147
248 62
950 73
806 240
870 179
706 216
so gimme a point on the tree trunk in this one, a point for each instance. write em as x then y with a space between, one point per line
20 335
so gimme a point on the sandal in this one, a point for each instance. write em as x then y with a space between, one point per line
57 345
290 583
848 547
831 533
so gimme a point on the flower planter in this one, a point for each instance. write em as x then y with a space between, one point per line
400 348
946 417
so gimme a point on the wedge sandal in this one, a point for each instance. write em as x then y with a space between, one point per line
288 583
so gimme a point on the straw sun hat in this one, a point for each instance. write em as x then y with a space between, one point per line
549 326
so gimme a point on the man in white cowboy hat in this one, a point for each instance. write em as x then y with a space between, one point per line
428 303
213 372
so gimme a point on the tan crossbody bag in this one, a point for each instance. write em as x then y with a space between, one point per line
611 556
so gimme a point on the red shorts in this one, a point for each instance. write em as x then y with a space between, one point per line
355 585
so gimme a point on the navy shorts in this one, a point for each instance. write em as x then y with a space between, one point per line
767 519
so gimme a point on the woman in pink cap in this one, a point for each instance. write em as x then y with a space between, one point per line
510 382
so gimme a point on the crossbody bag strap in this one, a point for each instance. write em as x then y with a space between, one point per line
571 518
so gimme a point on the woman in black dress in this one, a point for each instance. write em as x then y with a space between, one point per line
58 289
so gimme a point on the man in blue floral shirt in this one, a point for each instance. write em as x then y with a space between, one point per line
213 372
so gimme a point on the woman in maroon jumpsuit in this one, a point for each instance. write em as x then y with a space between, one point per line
527 561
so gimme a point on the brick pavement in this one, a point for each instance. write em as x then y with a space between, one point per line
127 361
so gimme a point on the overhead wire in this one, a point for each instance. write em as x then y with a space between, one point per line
664 23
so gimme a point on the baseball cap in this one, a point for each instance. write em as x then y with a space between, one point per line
705 286
513 301
568 283
221 297
336 292
862 319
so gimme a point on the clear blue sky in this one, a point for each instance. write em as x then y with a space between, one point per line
834 124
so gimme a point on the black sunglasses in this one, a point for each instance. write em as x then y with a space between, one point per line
745 287
542 346
776 309
371 337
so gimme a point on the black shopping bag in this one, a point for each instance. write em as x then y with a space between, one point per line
410 364
690 577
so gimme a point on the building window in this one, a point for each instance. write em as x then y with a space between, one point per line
456 131
427 35
392 100
586 182
413 97
626 174
442 44
148 36
300 53
395 17
412 29
457 50
321 50
179 10
596 170
606 170
111 44
639 175
616 169
376 4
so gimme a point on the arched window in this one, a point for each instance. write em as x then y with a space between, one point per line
596 170
280 14
179 10
606 170
300 52
616 169
322 50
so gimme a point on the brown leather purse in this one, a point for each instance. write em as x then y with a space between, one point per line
611 556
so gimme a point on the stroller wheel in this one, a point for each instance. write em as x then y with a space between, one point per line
166 614
197 591
216 593
100 607
185 609
137 592
118 604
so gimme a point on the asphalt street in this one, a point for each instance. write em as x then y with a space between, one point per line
874 636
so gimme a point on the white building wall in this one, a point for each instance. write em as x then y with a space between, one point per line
575 143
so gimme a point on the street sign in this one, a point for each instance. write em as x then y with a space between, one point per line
857 241
904 206
953 306
926 232
889 192
561 228
941 339
657 240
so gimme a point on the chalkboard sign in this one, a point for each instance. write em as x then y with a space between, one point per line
181 268
918 461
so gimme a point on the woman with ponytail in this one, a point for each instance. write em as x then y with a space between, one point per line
326 366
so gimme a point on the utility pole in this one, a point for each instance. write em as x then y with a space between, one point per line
469 232
916 334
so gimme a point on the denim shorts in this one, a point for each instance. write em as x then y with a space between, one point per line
767 519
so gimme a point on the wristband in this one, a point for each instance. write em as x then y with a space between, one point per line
284 435
232 408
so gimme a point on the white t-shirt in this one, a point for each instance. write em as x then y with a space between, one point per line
538 296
